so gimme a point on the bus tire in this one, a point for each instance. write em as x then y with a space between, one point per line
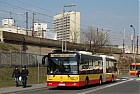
100 81
86 82
112 79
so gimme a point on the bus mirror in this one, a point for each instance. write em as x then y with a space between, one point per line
43 59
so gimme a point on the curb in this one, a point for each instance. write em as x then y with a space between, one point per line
26 90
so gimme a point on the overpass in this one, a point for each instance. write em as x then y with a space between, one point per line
37 45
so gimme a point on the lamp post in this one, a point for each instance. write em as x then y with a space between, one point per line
63 21
134 48
66 32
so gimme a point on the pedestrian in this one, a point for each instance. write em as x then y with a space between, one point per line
27 75
24 74
16 73
138 73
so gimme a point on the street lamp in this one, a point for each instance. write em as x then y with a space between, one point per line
63 21
134 48
66 32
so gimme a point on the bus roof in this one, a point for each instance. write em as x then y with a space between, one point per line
85 54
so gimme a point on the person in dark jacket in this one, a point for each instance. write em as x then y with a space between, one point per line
27 75
138 73
24 74
16 73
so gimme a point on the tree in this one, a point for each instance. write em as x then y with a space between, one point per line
74 36
96 38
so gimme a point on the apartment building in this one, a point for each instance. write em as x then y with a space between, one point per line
67 26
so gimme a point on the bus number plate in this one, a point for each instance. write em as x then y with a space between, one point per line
61 84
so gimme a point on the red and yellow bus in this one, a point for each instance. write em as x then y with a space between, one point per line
133 70
78 69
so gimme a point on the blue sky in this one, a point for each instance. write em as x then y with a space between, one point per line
104 14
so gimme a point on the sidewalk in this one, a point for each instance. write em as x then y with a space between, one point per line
7 90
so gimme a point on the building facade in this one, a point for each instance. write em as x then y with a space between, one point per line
67 26
8 24
40 29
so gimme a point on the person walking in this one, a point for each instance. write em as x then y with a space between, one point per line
16 73
27 75
24 74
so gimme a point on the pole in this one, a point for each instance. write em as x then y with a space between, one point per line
75 35
63 28
42 33
134 52
33 26
66 33
124 41
134 48
137 44
38 70
66 26
26 23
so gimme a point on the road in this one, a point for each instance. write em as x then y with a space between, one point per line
123 85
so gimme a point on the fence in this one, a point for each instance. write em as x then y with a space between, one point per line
12 58
123 71
37 73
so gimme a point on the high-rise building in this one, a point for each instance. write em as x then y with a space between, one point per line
67 26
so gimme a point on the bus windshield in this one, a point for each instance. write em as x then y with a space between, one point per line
63 65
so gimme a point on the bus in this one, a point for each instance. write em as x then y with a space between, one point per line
78 69
134 71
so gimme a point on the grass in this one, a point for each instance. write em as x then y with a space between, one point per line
6 47
6 79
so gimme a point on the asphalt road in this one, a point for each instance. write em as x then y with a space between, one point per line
123 85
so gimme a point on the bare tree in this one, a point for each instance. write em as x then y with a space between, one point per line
75 35
96 38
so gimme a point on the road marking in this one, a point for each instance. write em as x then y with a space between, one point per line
121 79
118 79
89 91
137 79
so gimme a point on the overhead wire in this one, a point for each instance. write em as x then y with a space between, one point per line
14 6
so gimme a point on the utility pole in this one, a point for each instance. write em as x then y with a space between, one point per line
137 44
33 25
124 41
42 33
97 32
26 23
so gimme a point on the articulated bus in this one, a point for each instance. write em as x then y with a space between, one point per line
78 69
133 70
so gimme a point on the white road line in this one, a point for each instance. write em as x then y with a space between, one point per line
89 91
123 79
137 79
118 79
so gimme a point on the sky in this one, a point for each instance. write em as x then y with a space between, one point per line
113 15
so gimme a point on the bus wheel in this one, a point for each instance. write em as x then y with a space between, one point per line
112 79
100 81
86 83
